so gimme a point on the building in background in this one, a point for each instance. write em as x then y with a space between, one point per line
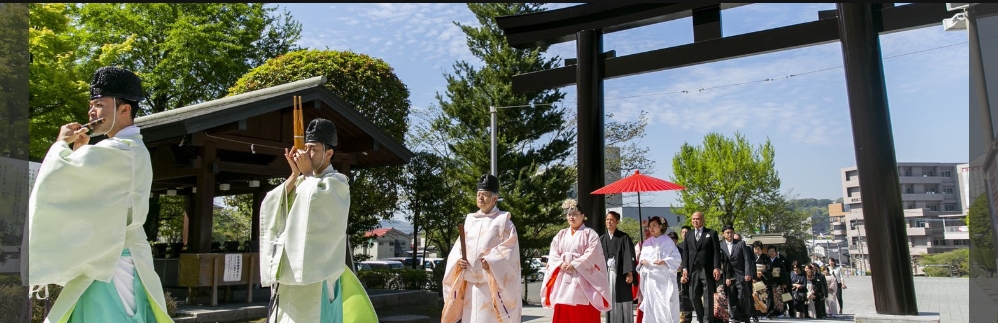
934 211
17 177
385 243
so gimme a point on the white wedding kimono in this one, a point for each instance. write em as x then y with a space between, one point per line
303 250
660 303
491 295
85 217
587 285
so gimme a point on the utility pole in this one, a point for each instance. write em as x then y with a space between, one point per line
494 133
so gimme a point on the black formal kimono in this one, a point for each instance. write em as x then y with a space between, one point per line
619 252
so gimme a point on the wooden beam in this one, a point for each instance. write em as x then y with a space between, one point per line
707 23
255 225
244 144
557 26
229 128
895 19
251 169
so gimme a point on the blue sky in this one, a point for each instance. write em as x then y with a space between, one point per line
806 116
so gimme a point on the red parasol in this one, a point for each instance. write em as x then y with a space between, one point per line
638 183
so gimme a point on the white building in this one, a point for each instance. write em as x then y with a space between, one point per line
385 243
932 196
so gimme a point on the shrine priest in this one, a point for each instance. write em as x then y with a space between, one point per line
485 286
86 211
619 253
303 225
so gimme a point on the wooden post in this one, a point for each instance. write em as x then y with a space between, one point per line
883 213
204 205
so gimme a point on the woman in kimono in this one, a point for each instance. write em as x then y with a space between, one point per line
658 264
798 287
575 283
760 296
831 300
635 287
815 292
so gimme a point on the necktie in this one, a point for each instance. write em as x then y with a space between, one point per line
698 234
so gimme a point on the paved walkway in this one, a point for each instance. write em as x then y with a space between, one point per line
947 296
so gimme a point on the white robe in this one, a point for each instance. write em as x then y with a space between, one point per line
489 295
303 243
658 286
85 208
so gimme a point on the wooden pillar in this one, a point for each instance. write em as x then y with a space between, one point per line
204 205
257 202
591 142
188 214
890 259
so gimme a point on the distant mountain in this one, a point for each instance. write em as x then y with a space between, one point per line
400 225
818 208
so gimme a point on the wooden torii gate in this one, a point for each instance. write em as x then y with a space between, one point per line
856 25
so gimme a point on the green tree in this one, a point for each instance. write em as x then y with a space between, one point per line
58 90
233 222
947 264
370 86
982 247
533 142
185 53
633 228
426 195
728 180
170 228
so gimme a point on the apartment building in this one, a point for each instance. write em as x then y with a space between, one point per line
932 195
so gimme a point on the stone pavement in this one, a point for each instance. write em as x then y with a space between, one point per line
947 296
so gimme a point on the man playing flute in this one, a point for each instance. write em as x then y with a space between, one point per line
86 211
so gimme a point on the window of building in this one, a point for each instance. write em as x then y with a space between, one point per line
948 190
950 207
907 171
928 173
852 192
946 173
938 242
909 189
910 205
934 207
961 242
930 189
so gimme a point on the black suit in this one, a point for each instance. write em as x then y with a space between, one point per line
738 263
701 258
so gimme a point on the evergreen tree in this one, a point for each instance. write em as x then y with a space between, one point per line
533 141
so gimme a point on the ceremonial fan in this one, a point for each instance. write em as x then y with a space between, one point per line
299 124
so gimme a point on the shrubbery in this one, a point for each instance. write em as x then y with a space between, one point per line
399 279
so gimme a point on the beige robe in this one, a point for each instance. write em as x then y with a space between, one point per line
489 295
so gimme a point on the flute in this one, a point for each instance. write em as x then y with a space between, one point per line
92 123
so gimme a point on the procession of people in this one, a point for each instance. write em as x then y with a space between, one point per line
101 256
